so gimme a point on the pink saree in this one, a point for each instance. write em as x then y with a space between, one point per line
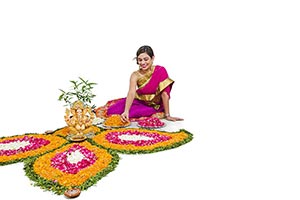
147 101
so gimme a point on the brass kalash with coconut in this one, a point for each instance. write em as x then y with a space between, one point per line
79 116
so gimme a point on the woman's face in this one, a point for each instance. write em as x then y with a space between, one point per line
145 61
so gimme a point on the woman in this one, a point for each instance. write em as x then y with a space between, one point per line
149 91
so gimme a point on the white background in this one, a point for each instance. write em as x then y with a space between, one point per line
236 85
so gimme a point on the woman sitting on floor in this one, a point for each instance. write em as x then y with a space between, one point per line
149 92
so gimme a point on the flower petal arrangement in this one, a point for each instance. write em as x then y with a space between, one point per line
56 164
132 140
17 148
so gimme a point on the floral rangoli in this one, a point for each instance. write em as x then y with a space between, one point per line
57 164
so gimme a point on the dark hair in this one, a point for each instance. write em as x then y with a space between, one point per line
145 49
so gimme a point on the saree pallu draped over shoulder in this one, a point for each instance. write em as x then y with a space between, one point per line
150 87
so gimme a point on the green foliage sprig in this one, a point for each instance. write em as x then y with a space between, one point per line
80 90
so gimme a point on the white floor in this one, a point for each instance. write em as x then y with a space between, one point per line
236 71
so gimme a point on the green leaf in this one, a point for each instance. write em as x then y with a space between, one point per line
60 97
80 90
85 82
74 82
